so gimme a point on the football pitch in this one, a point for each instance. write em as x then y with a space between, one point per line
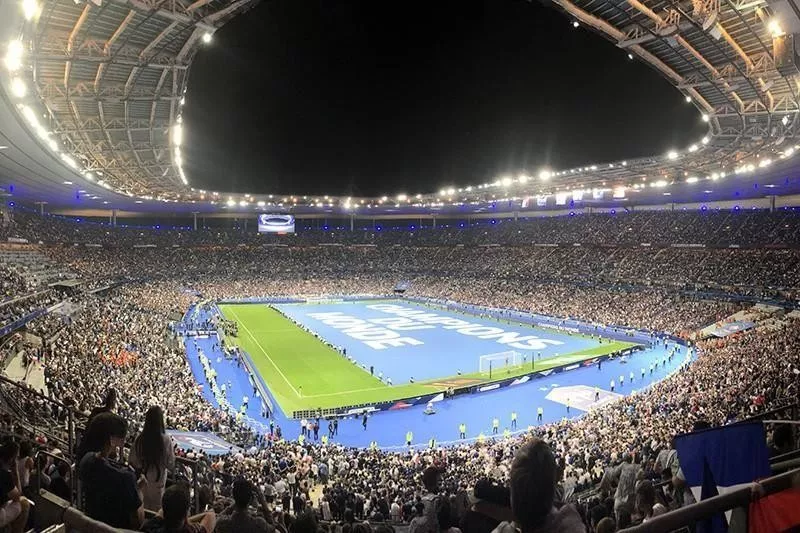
400 340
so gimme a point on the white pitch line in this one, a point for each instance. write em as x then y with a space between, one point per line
265 353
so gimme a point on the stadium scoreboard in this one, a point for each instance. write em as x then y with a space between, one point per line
275 223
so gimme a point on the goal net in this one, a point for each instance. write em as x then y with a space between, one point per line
500 363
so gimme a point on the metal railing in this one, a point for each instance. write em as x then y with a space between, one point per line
705 509
56 459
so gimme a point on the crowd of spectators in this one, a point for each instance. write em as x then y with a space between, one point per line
744 228
120 341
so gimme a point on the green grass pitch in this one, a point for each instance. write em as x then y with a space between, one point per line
303 373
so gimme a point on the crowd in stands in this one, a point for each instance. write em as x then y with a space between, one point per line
117 362
623 228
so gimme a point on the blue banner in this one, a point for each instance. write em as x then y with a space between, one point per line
208 443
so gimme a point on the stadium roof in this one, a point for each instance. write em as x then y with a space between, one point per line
107 78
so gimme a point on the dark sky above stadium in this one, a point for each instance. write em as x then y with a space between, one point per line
365 97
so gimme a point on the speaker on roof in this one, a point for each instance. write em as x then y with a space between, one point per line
786 60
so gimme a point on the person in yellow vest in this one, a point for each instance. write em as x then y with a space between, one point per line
495 426
513 420
481 437
432 443
539 414
462 431
324 440
506 433
409 437
301 439
373 445
568 402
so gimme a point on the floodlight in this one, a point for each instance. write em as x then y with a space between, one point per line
207 37
688 99
706 118
672 155
30 8
177 134
774 28
544 175
14 55
575 24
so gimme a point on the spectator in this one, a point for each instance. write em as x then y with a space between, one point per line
237 519
110 491
153 454
533 488
14 512
174 515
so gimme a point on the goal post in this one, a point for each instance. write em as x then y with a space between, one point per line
500 363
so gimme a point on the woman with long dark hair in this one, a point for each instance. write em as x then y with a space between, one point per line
152 455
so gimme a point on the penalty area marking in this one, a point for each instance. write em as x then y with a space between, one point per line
265 353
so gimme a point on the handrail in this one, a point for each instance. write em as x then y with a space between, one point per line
55 458
717 504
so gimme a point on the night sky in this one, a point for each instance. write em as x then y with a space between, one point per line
357 97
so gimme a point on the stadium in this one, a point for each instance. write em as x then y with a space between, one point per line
607 346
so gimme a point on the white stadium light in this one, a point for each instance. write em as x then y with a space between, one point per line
705 117
30 8
506 182
207 37
688 99
575 23
544 175
630 56
692 179
14 55
774 28
261 203
704 140
672 155
18 88
785 120
402 197
693 148
177 134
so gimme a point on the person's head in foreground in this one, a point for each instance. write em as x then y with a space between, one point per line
534 476
175 507
105 433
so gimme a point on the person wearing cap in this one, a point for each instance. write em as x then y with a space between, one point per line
534 476
236 518
110 491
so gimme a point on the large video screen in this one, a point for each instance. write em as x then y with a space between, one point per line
273 223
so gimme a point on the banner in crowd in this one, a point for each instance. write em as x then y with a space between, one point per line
208 443
728 328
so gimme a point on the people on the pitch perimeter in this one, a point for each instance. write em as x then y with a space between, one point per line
513 420
539 414
596 394
409 437
631 376
303 426
495 426
506 433
335 426
364 421
245 401
462 431
568 405
643 372
330 429
612 385
621 380
429 410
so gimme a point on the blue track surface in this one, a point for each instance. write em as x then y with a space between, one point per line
388 429
442 350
